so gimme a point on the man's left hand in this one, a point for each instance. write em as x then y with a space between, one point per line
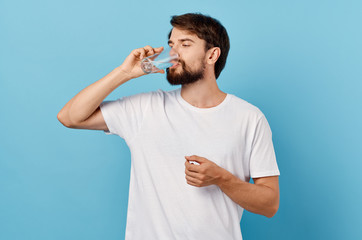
207 173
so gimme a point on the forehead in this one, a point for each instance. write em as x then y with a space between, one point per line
178 34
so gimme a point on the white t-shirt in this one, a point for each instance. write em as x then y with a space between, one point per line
161 128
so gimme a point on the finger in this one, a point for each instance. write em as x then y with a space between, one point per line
136 52
192 180
158 50
160 71
191 167
149 50
192 174
142 53
193 157
192 184
196 158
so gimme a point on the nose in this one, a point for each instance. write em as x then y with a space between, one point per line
174 53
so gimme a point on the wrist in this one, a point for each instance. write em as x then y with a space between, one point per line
224 177
123 75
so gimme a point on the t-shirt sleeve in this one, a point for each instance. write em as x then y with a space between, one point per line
262 159
125 115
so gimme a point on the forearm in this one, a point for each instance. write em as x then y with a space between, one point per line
82 105
255 198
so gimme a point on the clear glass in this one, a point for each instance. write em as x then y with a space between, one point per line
159 61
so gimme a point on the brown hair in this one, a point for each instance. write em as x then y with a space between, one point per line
208 29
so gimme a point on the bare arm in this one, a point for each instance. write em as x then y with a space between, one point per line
84 106
262 197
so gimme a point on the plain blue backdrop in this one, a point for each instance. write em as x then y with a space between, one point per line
298 61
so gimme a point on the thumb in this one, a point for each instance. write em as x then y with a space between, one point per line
195 158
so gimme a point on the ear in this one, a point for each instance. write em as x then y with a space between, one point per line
213 55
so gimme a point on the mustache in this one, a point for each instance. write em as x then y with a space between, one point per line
183 64
180 61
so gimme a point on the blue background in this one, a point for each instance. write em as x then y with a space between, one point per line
300 62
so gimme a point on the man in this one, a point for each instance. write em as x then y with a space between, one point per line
193 149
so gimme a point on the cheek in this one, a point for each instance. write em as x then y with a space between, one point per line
193 58
196 64
193 62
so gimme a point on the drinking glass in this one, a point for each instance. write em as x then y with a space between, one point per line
159 61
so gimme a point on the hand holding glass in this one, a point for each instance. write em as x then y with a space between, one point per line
159 61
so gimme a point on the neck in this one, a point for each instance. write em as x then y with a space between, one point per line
204 93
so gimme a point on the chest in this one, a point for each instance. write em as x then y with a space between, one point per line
175 134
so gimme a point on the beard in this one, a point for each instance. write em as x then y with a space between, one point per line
185 76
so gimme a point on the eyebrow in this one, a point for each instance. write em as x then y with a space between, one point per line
182 40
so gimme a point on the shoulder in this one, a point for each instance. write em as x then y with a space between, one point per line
162 95
141 96
245 107
154 97
154 93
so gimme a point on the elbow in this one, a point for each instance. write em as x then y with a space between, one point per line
61 119
271 212
273 207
